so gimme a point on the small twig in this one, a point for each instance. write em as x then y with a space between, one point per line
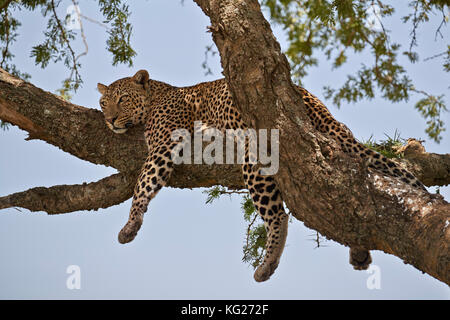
94 21
233 192
381 23
249 228
83 36
415 26
317 239
438 30
205 62
63 33
435 56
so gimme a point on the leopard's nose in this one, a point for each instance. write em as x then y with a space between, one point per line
111 120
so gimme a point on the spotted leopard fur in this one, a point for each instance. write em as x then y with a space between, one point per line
162 108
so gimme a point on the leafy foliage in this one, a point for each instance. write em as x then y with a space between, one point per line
254 247
214 193
57 46
58 38
8 35
340 28
431 108
117 14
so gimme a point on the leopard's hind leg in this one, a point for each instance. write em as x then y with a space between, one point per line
269 205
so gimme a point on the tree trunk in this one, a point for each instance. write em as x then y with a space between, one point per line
323 187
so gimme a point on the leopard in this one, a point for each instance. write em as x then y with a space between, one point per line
162 108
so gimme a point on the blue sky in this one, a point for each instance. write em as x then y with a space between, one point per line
185 249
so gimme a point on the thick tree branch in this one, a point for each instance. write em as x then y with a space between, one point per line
431 168
326 189
104 193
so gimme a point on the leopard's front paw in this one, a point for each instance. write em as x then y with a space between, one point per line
129 231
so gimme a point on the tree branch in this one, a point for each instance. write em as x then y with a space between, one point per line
104 193
330 192
431 168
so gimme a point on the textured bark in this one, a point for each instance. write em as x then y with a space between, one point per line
105 193
430 168
327 190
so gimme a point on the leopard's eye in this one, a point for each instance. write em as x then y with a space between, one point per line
103 103
122 99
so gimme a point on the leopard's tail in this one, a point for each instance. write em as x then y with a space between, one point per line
323 121
389 167
376 160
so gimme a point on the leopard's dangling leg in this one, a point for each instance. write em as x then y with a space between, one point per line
268 203
154 175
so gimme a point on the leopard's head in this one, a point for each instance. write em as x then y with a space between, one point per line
124 101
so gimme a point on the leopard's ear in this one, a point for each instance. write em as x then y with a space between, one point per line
101 88
141 77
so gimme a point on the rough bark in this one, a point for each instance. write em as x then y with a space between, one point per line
327 190
430 168
104 193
